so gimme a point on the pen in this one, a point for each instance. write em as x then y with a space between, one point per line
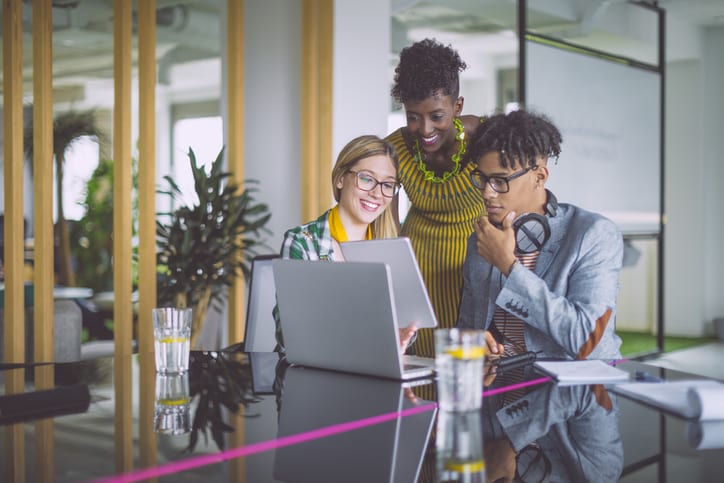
642 376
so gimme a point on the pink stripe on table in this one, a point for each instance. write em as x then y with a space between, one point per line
251 449
255 448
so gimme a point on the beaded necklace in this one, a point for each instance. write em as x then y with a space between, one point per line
430 175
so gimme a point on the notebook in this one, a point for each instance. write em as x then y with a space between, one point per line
390 450
411 298
582 372
341 316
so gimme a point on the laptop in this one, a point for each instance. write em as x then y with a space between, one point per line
341 316
392 450
259 332
411 297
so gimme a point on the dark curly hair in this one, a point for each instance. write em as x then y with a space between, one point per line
426 67
520 137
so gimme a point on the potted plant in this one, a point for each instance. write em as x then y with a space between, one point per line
203 248
68 127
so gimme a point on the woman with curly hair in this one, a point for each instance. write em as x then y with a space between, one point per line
435 173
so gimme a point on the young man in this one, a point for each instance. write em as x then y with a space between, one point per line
538 276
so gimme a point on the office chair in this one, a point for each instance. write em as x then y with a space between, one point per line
259 333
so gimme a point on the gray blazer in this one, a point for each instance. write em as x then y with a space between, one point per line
568 302
575 427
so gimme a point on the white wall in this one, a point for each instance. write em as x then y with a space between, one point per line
713 174
272 108
362 76
684 261
694 274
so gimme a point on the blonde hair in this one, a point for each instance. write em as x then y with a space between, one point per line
357 149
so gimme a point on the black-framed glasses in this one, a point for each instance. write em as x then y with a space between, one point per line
500 184
367 182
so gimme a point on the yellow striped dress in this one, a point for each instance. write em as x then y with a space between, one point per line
438 223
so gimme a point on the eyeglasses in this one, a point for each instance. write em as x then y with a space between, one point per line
366 182
500 184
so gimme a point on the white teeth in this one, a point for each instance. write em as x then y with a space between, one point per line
372 206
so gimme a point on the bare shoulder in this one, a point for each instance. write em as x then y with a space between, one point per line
471 123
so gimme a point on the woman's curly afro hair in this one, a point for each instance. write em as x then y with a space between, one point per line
426 67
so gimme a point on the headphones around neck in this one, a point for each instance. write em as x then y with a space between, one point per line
532 229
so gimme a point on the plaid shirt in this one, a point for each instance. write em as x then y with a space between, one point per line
312 241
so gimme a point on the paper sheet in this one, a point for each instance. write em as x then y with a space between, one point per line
582 372
699 399
705 434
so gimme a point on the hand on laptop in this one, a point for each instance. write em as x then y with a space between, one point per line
407 335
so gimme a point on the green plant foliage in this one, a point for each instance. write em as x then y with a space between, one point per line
206 246
91 236
220 382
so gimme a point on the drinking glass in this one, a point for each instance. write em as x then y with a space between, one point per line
459 358
459 445
172 411
172 335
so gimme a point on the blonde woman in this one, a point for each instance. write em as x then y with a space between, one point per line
364 182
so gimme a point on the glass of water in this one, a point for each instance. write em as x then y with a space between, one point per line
459 443
459 358
172 412
172 336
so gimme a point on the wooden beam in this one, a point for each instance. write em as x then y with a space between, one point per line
146 226
43 276
122 186
316 121
14 310
235 158
235 138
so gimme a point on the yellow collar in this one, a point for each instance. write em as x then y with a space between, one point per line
336 227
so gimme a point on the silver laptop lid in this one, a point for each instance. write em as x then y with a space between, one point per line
338 316
411 298
391 451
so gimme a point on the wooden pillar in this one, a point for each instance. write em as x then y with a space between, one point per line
14 316
235 130
235 158
317 91
146 226
43 276
122 186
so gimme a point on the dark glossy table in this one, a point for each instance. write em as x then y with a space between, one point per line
303 425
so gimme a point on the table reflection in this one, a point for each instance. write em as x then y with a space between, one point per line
355 413
219 381
554 433
256 419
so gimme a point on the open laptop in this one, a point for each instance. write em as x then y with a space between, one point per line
342 316
390 451
411 297
259 333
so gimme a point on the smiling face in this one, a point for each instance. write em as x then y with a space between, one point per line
526 194
358 208
431 120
